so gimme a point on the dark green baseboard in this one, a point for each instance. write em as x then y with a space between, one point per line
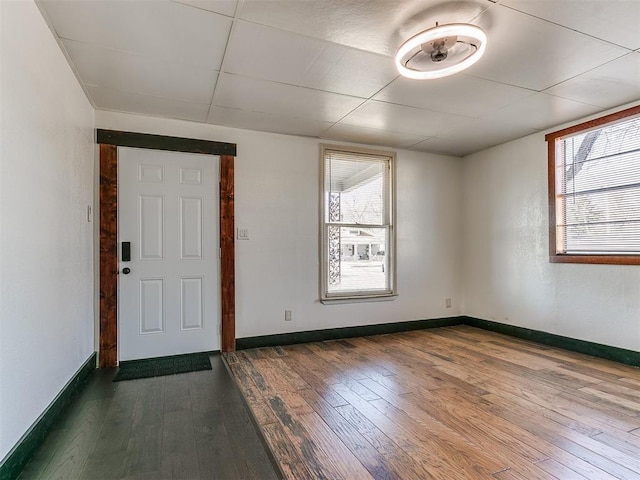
20 455
616 354
621 355
344 332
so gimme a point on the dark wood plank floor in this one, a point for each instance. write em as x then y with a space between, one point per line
188 426
452 403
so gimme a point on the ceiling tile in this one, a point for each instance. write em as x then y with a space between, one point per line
107 99
266 122
457 94
528 52
374 25
538 112
272 54
350 71
475 136
127 72
352 133
403 119
612 84
255 95
160 29
446 147
616 21
225 7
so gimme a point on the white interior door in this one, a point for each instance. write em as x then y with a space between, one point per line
168 211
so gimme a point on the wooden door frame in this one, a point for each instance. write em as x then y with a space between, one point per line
109 141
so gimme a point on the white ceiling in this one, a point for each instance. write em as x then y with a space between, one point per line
324 68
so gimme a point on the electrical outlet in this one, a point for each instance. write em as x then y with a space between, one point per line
288 315
243 234
447 302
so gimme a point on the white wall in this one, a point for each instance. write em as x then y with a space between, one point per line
46 263
507 276
277 182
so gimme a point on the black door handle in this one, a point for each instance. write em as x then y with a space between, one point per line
126 270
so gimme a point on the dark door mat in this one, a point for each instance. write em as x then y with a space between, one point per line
157 367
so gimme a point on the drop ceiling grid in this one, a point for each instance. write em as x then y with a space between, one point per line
281 56
359 124
160 29
377 26
139 74
325 68
615 21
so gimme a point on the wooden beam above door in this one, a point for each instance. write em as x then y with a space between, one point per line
163 142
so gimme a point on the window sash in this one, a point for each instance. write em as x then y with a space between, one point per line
594 191
372 281
375 166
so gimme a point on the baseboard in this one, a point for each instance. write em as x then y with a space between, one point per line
344 332
20 455
621 355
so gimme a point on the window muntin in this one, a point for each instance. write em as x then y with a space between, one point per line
594 190
356 224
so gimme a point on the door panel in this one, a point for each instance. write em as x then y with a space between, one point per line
168 210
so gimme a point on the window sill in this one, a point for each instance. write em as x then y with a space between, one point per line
387 297
596 259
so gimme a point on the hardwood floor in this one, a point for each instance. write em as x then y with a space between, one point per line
188 426
452 403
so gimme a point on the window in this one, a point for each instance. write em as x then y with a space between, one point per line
594 190
357 247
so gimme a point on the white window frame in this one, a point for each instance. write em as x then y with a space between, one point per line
389 222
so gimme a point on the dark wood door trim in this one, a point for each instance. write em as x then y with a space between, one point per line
227 252
108 140
108 256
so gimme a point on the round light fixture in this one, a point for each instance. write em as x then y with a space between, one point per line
441 51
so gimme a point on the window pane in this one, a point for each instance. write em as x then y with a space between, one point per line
609 238
605 206
358 259
612 171
598 189
355 189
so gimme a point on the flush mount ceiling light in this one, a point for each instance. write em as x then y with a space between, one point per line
441 51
